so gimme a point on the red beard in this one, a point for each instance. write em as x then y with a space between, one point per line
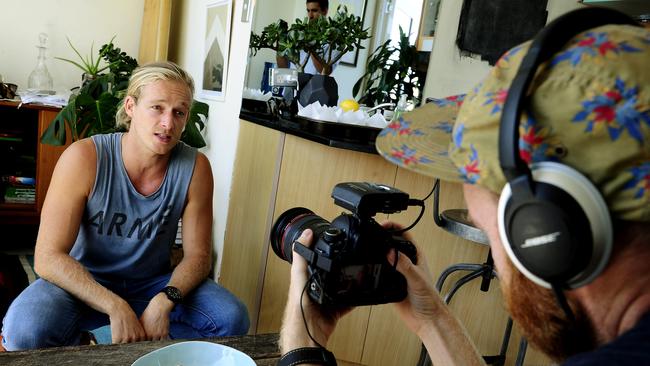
543 322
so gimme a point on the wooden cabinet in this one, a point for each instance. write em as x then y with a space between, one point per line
275 171
21 129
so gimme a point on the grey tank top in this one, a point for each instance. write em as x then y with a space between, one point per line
124 234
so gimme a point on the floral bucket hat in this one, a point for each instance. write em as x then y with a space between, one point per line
589 108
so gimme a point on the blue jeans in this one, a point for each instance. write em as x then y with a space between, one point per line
44 315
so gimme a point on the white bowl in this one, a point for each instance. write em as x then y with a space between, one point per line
195 353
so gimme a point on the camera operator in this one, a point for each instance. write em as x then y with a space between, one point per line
576 154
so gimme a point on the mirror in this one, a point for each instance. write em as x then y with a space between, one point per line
382 18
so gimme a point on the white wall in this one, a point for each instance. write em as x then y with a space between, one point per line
450 73
83 21
222 128
346 76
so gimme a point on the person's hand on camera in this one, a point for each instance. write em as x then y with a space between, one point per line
422 300
426 315
321 321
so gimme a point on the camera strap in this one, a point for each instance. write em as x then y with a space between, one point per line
312 258
312 355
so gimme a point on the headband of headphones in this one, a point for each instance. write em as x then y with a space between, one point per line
548 41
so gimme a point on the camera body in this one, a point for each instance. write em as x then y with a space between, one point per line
347 260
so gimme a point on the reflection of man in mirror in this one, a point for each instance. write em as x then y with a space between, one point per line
315 9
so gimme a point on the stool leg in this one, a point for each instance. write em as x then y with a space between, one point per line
523 345
462 281
454 268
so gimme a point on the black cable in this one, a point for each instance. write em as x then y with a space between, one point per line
562 302
416 202
412 202
435 184
302 311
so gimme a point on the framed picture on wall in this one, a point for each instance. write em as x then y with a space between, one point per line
216 49
358 8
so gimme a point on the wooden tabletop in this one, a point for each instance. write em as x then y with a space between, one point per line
262 348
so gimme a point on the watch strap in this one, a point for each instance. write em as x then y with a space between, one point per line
313 355
173 294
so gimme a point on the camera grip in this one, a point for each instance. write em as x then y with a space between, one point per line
408 248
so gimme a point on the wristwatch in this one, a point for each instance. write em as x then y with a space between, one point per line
173 294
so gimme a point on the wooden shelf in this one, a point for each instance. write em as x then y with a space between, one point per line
4 207
33 119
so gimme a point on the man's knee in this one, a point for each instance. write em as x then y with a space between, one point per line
238 320
21 331
213 311
43 315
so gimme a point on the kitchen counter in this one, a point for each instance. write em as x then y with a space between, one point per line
339 135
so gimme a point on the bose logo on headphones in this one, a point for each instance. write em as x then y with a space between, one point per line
541 240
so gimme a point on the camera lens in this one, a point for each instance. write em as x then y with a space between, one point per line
288 227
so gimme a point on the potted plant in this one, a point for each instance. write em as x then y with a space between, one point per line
390 73
338 34
91 110
89 65
325 38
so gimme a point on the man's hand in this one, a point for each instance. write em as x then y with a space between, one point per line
155 318
426 315
321 322
422 301
125 327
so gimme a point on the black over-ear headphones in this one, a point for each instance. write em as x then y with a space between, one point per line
553 222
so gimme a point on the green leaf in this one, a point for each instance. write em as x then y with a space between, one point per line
55 133
192 133
389 73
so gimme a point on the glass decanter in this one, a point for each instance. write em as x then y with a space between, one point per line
40 79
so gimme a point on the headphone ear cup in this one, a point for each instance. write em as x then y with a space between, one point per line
562 235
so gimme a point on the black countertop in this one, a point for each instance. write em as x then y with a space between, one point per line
339 135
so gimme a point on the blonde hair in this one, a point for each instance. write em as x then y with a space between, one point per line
145 75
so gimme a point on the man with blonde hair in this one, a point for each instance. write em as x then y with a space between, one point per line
108 224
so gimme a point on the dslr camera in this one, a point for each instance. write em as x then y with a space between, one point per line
347 261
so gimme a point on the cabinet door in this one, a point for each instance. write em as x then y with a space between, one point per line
254 184
309 172
47 156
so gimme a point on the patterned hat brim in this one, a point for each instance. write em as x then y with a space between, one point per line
420 139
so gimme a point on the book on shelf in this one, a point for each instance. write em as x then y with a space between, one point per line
27 200
20 191
19 181
20 195
11 136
